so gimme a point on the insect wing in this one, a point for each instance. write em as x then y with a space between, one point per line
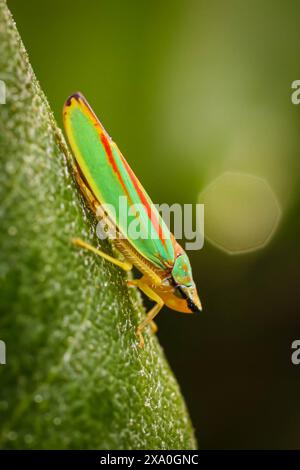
115 186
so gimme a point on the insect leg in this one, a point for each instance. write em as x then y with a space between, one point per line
152 313
135 282
122 264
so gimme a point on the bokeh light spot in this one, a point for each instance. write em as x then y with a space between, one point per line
241 212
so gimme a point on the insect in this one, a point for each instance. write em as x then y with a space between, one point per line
104 177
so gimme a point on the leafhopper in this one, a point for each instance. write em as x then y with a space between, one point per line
105 178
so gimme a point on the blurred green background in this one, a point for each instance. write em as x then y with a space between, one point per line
191 90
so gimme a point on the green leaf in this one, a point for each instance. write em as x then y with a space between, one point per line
74 377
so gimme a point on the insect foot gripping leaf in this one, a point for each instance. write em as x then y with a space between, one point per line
74 375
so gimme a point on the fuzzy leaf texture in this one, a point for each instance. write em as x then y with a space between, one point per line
75 377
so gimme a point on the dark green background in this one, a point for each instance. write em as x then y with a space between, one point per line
191 89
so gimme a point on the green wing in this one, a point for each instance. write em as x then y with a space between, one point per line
115 186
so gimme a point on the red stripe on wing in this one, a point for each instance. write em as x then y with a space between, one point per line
151 214
112 162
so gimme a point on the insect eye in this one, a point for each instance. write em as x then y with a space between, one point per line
178 292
